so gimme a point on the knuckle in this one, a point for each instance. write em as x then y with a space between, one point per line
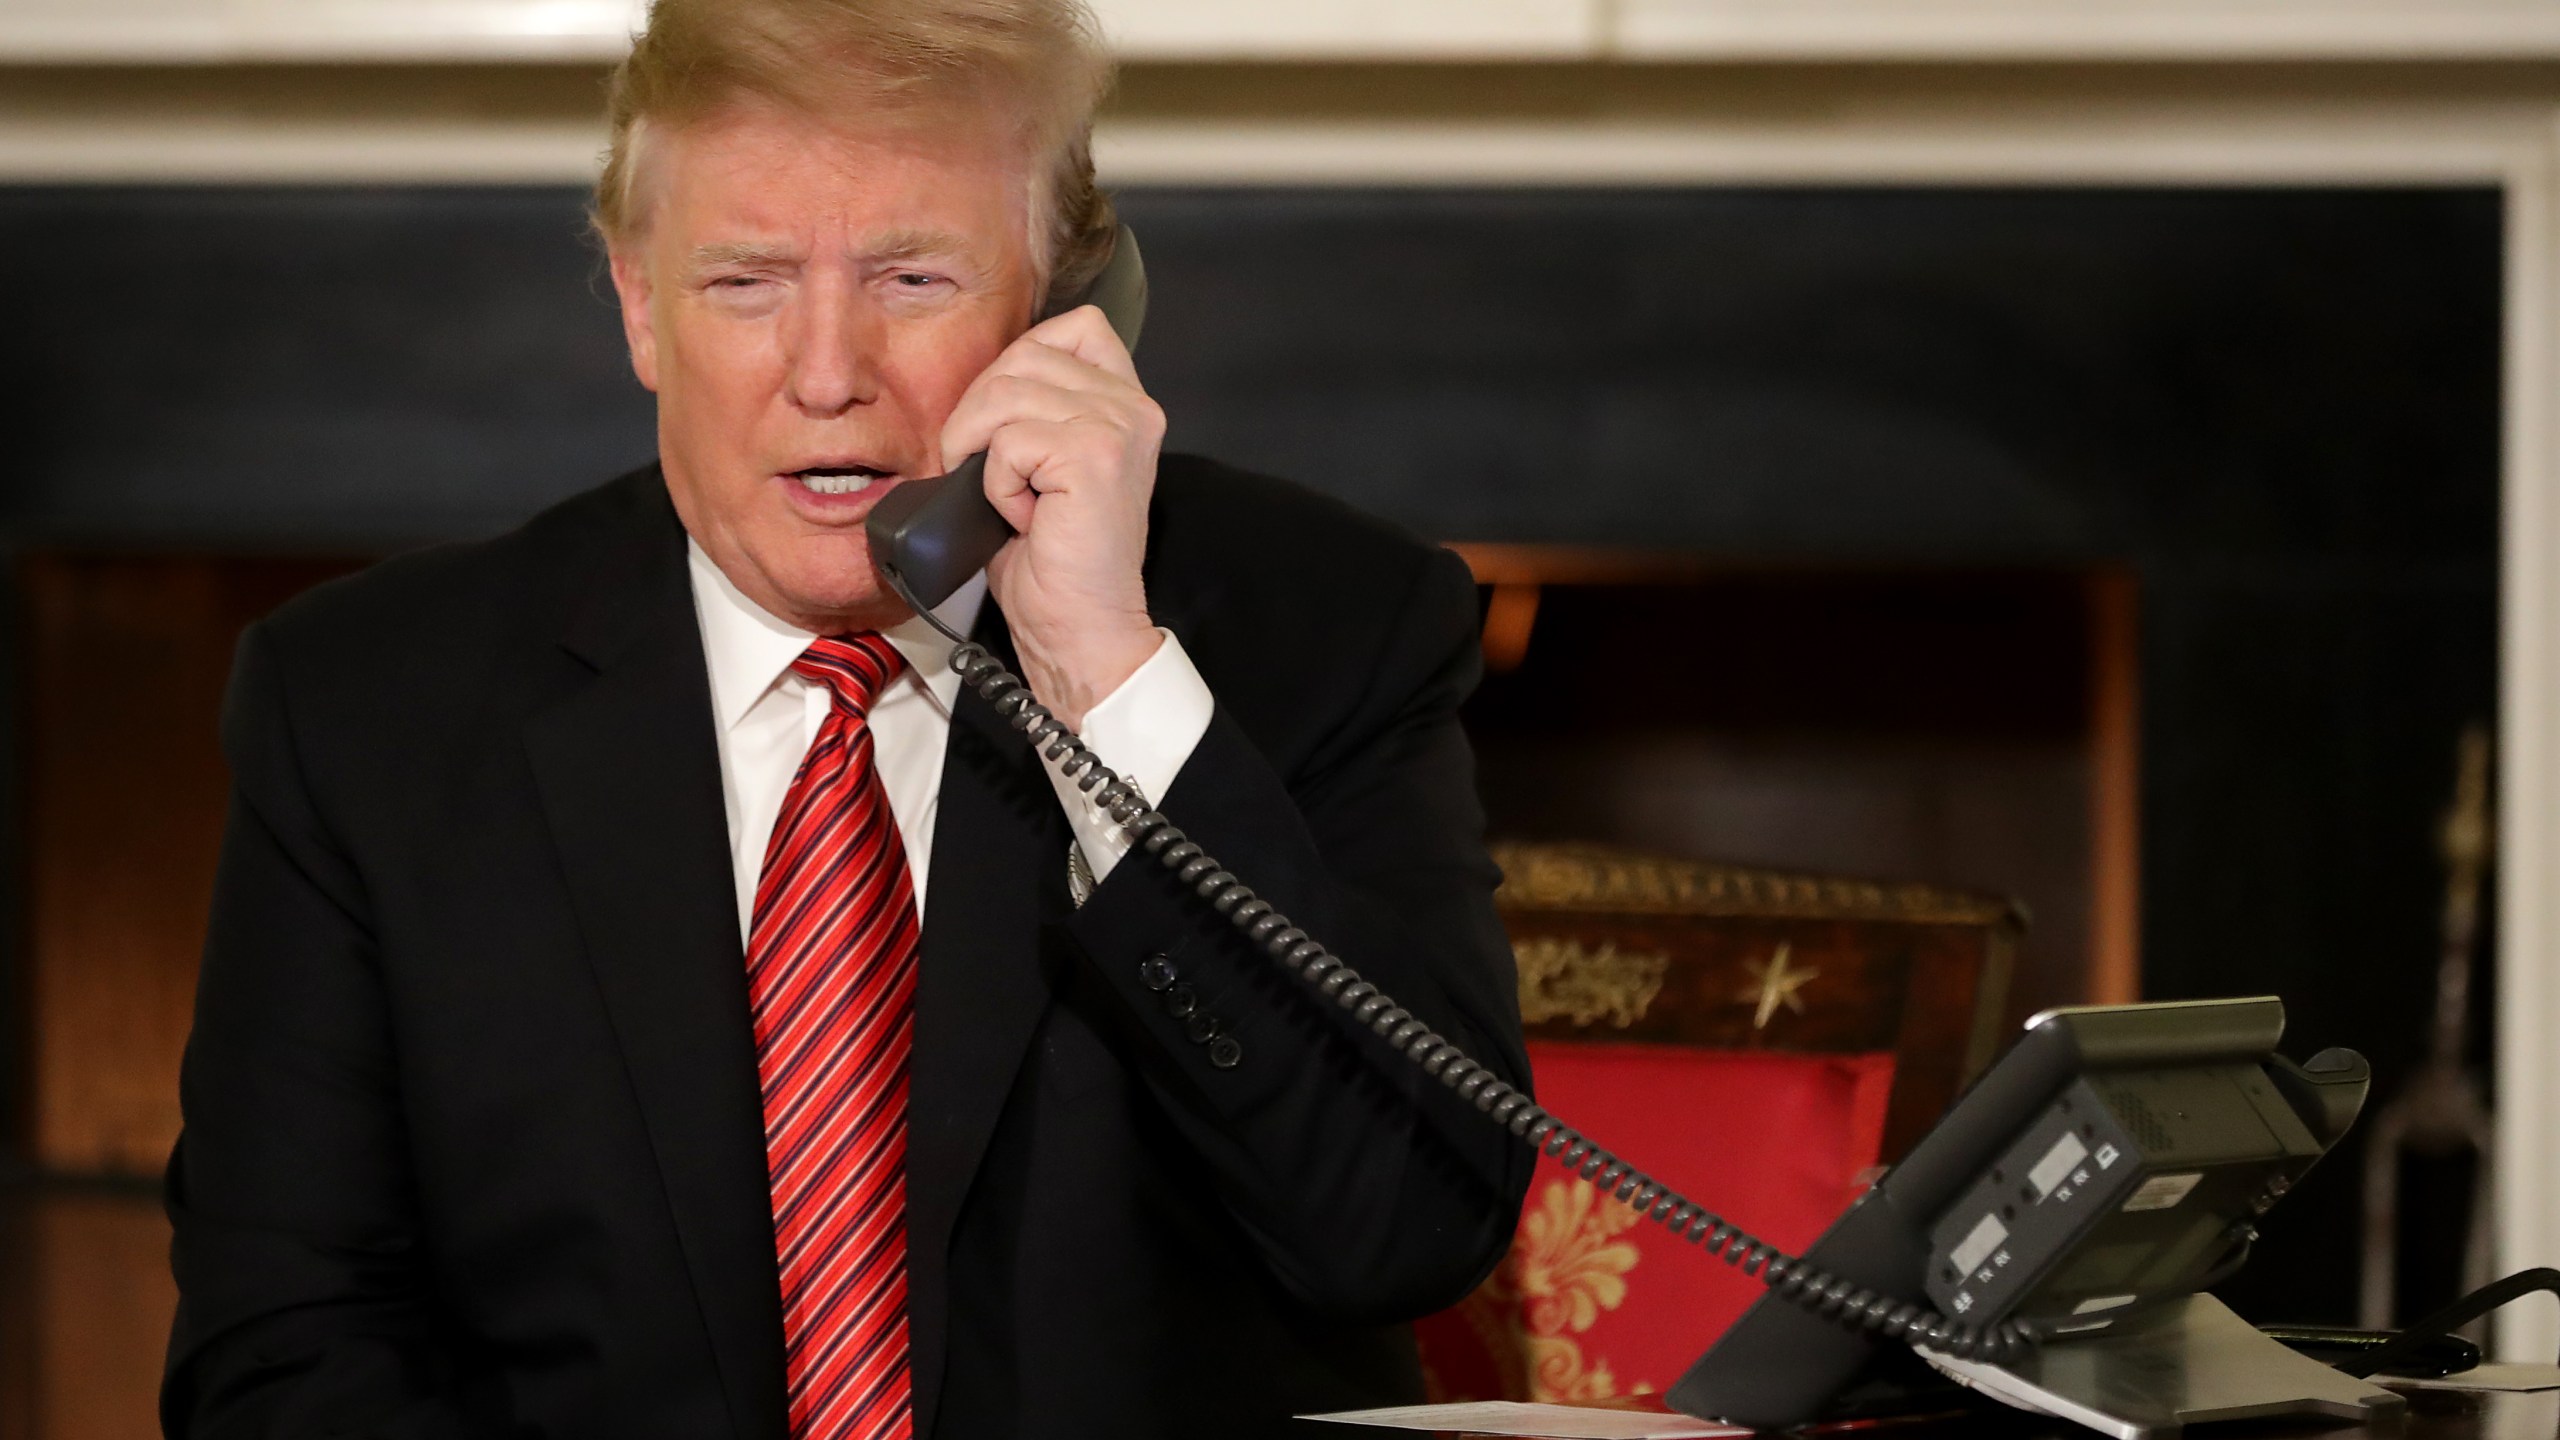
1138 419
1109 435
1004 455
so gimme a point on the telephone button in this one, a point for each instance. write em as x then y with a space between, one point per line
1180 1001
1203 1028
1156 972
1225 1053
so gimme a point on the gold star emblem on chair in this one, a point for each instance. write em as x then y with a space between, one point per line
1775 984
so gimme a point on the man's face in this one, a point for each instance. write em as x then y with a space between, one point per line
808 302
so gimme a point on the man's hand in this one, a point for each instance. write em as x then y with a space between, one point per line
1071 441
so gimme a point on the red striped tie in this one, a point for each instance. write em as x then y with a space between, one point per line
831 975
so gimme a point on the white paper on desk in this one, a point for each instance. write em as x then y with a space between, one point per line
2498 1376
1514 1417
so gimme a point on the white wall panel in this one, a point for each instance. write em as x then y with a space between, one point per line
2084 29
148 31
107 31
1244 29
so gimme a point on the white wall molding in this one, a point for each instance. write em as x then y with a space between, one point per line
231 150
1356 29
2128 145
2084 29
2131 146
2528 922
326 31
218 31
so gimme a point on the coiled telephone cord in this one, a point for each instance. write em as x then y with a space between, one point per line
1826 1295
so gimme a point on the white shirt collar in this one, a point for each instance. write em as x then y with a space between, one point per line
749 651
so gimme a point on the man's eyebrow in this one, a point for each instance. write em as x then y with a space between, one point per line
739 252
915 244
890 245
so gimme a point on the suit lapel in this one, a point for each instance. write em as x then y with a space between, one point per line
979 989
629 773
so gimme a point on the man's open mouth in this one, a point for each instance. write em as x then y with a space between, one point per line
837 479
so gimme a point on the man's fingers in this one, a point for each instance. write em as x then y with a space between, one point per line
1067 367
1032 359
1086 335
1007 395
1021 450
1029 358
995 401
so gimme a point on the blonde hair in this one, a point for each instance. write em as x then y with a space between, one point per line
906 59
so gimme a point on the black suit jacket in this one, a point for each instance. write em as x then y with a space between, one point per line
473 1142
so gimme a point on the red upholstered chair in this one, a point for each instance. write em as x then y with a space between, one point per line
1760 1041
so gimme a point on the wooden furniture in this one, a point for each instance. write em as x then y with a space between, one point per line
1758 1040
1617 945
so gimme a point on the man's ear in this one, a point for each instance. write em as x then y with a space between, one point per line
639 328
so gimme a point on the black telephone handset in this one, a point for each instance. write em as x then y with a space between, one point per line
929 536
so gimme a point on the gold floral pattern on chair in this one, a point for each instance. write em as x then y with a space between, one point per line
1559 1375
1571 1264
1567 1268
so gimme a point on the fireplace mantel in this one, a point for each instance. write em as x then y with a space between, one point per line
550 31
1668 92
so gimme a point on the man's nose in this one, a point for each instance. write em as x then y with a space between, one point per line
835 343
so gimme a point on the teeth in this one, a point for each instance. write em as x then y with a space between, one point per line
837 484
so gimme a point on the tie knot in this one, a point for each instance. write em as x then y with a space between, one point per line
854 667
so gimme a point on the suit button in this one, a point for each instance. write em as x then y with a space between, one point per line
1156 972
1180 1001
1225 1053
1203 1028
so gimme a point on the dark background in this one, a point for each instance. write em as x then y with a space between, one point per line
2277 408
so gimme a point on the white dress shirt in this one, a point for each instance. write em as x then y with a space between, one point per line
766 717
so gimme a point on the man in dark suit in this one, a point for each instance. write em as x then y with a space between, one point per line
646 997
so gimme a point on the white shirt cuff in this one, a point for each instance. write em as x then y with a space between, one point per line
1145 730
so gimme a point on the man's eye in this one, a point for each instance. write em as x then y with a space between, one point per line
910 280
737 282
